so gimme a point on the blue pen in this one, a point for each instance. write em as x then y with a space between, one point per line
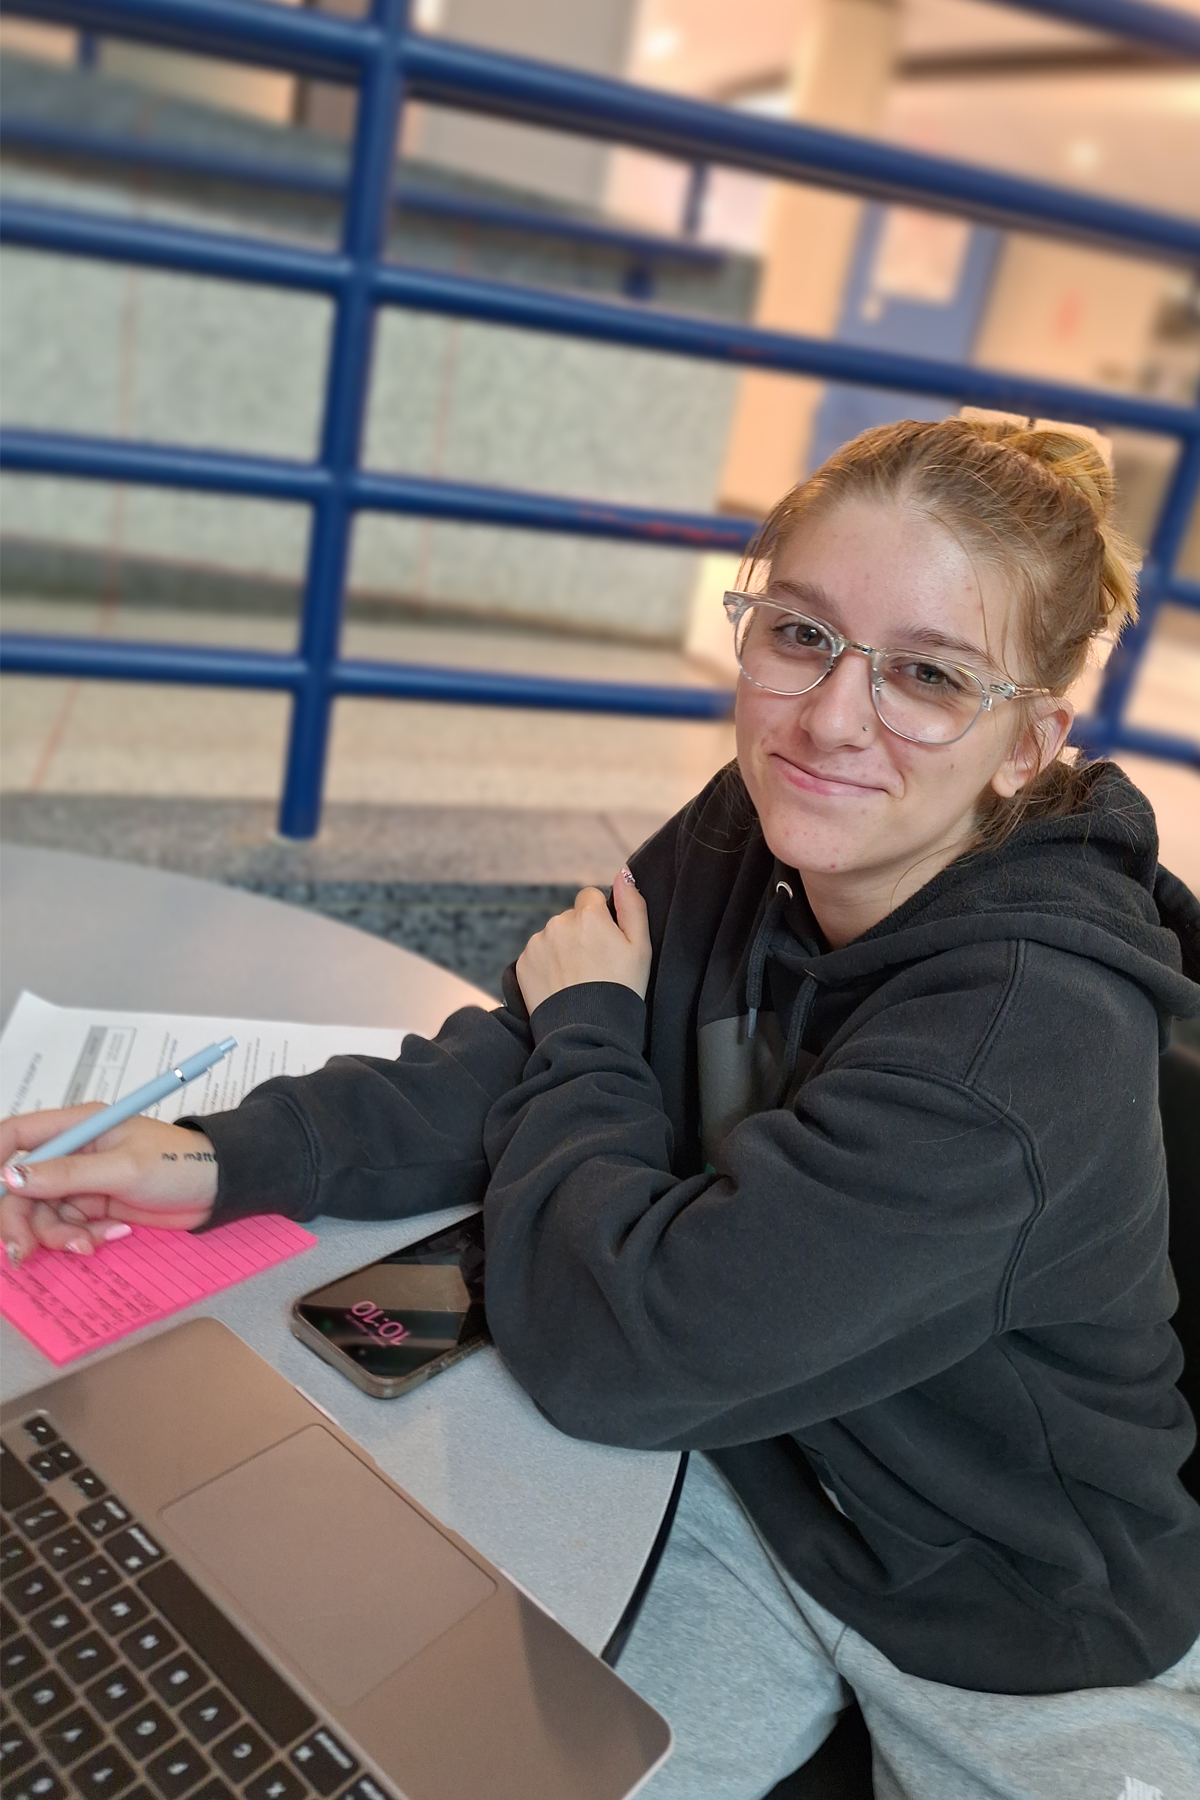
167 1083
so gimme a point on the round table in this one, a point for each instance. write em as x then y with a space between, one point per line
572 1522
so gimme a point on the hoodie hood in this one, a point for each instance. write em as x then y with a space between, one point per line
1088 883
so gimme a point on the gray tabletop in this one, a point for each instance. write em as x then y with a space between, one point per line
571 1522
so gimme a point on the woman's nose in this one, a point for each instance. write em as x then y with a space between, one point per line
840 711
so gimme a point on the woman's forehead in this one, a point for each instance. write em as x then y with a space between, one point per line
885 572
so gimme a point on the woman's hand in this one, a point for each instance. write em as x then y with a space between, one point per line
143 1172
585 945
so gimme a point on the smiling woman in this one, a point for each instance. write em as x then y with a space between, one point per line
829 1146
982 542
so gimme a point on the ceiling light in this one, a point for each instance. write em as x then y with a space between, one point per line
661 43
1084 154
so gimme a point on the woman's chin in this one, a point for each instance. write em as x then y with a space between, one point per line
813 846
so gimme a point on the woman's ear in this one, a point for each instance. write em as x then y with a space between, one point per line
1034 749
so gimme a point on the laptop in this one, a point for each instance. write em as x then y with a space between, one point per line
211 1592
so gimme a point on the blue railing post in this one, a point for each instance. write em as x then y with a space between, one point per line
1104 726
347 391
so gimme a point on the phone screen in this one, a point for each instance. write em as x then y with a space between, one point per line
398 1315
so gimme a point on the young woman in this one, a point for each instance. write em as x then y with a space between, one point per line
832 1151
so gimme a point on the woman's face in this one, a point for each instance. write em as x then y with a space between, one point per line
841 798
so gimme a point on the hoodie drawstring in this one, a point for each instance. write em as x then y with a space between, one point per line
759 951
791 1051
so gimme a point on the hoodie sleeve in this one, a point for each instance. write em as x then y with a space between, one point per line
365 1138
847 1247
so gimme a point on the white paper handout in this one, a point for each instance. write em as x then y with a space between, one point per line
63 1055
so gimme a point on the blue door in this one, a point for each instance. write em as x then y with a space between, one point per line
919 282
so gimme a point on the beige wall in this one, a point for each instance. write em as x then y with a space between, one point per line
1070 313
840 78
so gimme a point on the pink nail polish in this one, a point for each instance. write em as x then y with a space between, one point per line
627 876
14 1253
75 1249
14 1177
111 1233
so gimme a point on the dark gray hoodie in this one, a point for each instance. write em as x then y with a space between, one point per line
883 1229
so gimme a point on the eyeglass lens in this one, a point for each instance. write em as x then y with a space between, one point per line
918 697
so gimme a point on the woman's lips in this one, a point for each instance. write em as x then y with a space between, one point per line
811 783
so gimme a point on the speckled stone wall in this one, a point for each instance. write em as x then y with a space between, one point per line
96 348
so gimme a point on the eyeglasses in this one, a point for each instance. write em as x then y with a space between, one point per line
922 698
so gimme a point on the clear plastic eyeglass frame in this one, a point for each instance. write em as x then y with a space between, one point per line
737 605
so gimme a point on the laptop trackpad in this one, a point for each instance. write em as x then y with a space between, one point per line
327 1561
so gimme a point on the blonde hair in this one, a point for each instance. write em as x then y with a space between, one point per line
1036 501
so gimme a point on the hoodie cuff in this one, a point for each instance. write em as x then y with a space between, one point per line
606 1006
264 1161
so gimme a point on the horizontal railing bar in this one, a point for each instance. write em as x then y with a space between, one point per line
1159 27
565 314
500 216
471 503
28 654
217 471
594 106
478 687
326 44
1100 739
1179 592
101 659
35 135
302 39
453 74
159 465
719 340
157 244
47 137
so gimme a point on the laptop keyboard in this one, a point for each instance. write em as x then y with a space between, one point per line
120 1676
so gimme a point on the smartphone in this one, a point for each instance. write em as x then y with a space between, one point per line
393 1324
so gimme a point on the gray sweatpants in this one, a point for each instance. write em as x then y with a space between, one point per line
752 1674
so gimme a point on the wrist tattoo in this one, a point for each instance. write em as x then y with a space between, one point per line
199 1156
169 1156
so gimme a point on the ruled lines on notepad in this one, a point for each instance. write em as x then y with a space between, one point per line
70 1305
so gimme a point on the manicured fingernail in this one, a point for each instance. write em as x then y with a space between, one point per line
71 1214
627 876
14 1253
78 1249
13 1176
111 1233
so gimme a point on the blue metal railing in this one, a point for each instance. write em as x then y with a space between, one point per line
644 251
386 61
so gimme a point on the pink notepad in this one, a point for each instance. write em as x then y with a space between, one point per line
69 1305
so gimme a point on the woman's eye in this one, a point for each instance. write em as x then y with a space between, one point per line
933 677
797 634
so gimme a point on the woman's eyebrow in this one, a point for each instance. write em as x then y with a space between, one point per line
920 637
915 637
806 592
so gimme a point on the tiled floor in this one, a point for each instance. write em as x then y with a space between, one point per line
64 737
485 794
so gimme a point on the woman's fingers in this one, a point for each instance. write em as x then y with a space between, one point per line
66 1177
25 1224
631 912
143 1172
587 945
16 1227
26 1131
58 1234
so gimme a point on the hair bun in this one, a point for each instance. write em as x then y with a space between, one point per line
1079 460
